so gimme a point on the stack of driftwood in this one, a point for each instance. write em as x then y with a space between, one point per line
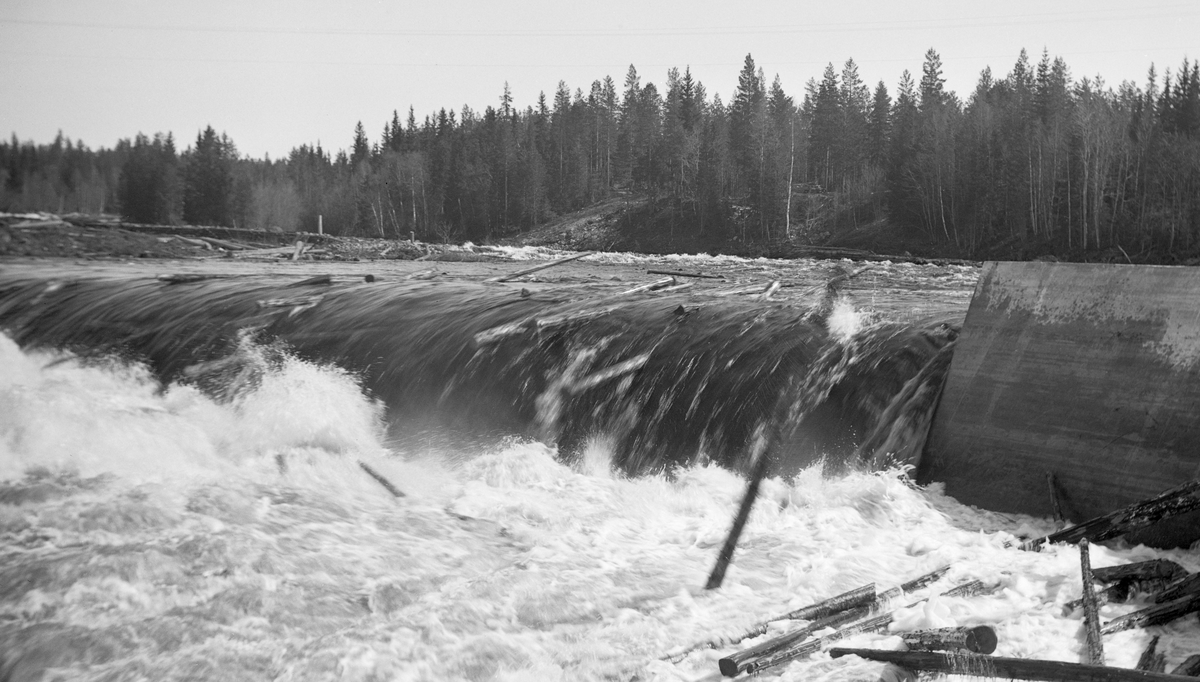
1166 589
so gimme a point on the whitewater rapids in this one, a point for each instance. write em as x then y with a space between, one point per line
157 534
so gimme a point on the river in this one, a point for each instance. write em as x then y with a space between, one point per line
156 532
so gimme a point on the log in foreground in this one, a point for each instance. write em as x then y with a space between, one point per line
859 596
1006 668
1173 502
875 624
980 639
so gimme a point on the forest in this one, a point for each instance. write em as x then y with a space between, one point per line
1032 163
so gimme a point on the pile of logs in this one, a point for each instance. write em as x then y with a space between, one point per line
1166 588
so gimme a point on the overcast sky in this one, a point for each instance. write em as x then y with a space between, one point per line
274 74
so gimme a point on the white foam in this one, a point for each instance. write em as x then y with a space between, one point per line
243 540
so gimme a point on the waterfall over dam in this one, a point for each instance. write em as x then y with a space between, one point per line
666 378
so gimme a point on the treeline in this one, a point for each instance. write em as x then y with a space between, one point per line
1035 161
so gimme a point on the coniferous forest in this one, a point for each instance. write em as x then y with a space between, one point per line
1032 162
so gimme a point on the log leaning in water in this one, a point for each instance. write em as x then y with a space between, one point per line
1091 610
1005 668
1154 615
1173 502
758 469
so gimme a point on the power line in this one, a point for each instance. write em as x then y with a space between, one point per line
997 21
555 65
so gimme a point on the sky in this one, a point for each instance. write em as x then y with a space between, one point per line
275 74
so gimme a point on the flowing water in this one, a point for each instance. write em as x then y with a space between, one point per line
161 531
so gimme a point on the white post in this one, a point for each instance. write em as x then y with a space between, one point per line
320 224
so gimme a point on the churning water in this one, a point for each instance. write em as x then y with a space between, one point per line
156 533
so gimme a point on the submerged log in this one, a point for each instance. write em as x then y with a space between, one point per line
1181 587
1189 668
312 281
1141 570
1173 502
978 640
1091 610
1150 659
1144 576
900 434
648 286
675 273
1005 668
538 268
185 279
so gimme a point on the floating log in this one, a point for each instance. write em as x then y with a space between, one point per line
299 302
648 286
674 273
980 639
752 289
1091 610
185 279
1173 502
608 373
1005 668
313 281
1181 587
552 321
1189 668
498 332
736 662
537 268
396 492
676 287
1150 659
1154 615
770 290
759 463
